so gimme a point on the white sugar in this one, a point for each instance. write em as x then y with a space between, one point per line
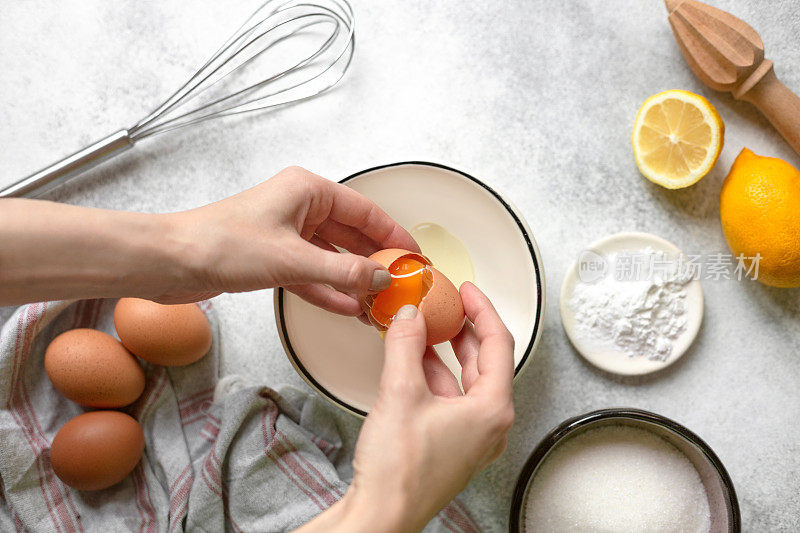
617 479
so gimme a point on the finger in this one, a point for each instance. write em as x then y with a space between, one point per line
466 347
440 380
347 237
362 316
327 299
404 349
353 209
496 353
346 272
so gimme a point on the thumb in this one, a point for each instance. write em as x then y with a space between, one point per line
403 372
346 272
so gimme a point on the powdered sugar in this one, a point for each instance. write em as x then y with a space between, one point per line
637 312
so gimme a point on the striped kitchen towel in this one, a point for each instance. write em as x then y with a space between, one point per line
220 455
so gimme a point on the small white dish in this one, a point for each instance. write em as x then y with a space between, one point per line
342 358
607 358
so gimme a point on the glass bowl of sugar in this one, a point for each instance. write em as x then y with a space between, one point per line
623 470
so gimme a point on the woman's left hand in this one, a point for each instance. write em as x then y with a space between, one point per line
279 233
282 233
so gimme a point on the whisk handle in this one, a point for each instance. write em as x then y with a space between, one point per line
59 173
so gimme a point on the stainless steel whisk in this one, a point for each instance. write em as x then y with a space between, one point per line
295 49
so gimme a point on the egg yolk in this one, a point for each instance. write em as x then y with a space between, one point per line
411 280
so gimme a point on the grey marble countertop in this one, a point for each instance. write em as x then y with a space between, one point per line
535 98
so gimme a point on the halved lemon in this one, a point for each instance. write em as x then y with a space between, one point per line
677 138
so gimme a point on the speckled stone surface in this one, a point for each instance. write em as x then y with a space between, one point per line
536 98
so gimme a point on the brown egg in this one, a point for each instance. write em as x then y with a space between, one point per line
168 335
93 369
415 281
96 450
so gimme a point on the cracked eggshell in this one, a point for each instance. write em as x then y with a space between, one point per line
442 309
441 306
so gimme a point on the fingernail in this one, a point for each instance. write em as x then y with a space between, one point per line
381 279
407 312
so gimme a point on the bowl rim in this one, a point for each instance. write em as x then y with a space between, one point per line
533 250
565 428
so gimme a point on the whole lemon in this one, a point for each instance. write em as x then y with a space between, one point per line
760 213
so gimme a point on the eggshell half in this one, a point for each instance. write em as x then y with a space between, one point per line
390 255
168 335
93 369
96 450
442 309
441 306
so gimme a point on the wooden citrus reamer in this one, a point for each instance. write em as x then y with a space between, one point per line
728 55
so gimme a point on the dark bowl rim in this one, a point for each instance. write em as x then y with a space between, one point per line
563 429
533 250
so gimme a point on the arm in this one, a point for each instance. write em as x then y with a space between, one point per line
424 440
52 251
279 233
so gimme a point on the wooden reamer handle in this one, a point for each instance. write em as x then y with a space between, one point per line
776 101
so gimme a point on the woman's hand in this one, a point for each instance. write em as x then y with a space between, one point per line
282 232
423 439
279 233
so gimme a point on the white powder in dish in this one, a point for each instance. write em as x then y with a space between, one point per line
641 316
616 479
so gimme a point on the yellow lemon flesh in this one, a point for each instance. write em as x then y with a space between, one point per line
677 138
759 209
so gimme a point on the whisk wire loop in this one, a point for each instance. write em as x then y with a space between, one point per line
269 26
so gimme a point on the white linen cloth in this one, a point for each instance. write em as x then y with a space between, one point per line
218 457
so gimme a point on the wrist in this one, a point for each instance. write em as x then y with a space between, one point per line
357 514
134 254
363 511
180 254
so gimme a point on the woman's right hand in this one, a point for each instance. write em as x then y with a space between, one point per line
424 439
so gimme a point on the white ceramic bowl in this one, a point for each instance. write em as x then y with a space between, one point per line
607 358
342 358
